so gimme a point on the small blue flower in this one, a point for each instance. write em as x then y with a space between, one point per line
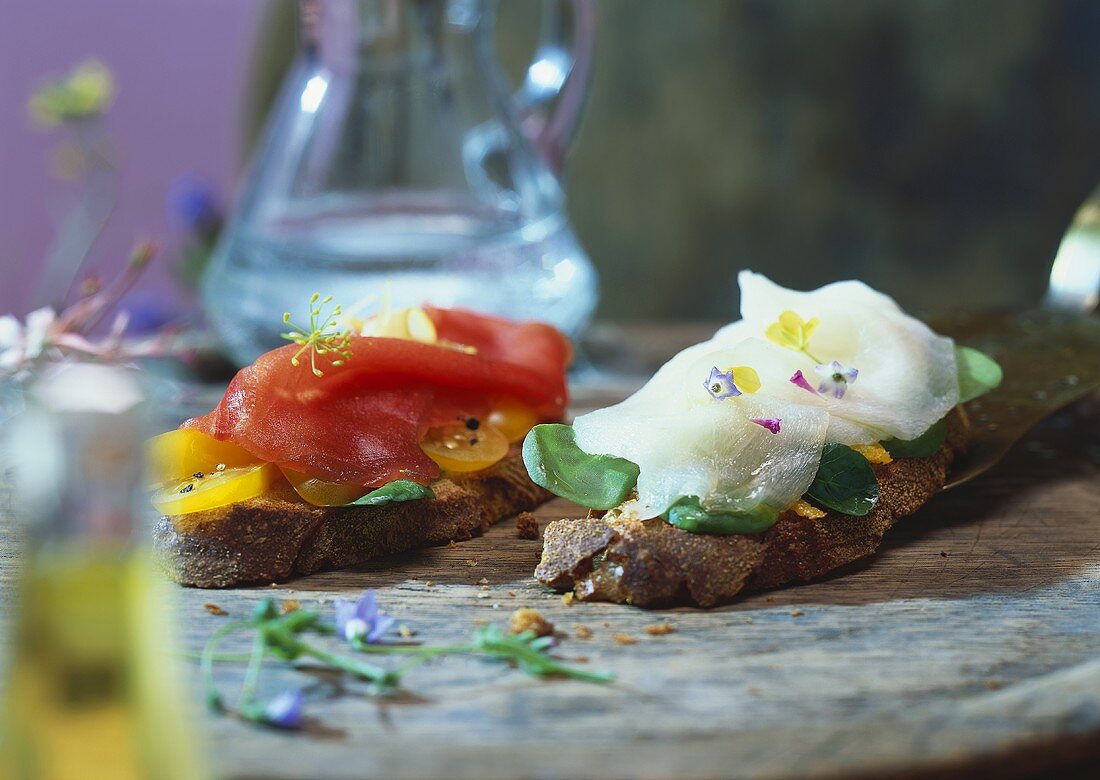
835 378
286 711
720 385
361 620
193 202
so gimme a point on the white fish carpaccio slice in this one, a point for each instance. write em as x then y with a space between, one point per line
908 378
686 443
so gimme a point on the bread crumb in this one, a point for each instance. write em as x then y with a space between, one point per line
429 584
214 609
405 631
512 593
797 613
291 605
484 594
527 619
452 544
748 620
527 526
875 453
582 632
483 581
624 639
567 599
471 561
807 510
660 629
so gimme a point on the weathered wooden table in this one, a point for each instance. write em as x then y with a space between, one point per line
970 642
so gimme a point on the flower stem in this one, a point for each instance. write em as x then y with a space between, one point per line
213 698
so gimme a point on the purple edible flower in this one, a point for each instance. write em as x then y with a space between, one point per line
285 711
800 380
771 423
835 378
720 385
361 620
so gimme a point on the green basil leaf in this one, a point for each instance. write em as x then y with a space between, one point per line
978 373
555 462
845 481
688 514
394 492
924 446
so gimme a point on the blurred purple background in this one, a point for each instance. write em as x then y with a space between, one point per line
169 57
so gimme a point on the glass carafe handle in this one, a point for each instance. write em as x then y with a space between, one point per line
554 87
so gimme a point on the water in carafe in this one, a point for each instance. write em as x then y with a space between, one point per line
395 159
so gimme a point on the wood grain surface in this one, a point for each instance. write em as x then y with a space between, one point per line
970 643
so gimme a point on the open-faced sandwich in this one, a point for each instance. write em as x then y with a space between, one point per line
782 448
399 432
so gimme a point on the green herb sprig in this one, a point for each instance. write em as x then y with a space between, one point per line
284 637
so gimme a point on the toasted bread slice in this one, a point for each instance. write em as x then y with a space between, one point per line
651 563
277 535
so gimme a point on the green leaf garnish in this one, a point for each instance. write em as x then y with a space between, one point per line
978 373
924 446
845 481
394 492
688 514
555 462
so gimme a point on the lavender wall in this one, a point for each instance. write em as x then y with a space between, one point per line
179 66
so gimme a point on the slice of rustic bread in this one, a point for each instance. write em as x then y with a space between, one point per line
277 535
650 563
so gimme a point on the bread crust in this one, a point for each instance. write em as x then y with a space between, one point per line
276 536
651 563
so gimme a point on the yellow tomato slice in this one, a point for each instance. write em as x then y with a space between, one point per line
216 488
179 454
457 447
512 418
321 493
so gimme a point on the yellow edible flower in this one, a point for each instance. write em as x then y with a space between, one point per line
791 331
746 378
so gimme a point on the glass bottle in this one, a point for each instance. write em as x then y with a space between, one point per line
396 154
91 686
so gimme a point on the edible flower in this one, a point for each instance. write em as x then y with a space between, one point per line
322 337
732 383
82 95
800 380
835 378
792 332
286 710
720 385
771 423
361 621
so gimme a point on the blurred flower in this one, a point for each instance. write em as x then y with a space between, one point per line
49 335
361 620
835 378
193 202
287 710
84 94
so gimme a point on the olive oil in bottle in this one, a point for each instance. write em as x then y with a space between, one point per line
92 688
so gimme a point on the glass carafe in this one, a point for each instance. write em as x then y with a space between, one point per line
397 158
